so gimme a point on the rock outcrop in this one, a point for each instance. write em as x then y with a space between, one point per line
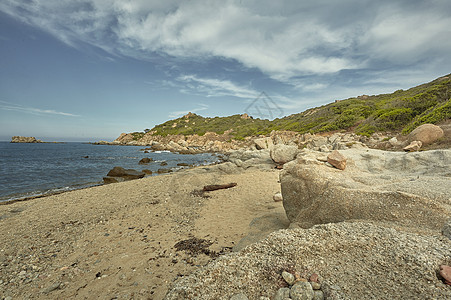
426 133
24 139
282 154
409 189
355 261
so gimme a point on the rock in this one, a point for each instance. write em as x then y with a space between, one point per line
145 160
108 180
163 164
277 197
315 285
413 146
426 133
324 148
263 143
124 138
239 296
163 171
377 185
445 272
24 139
282 294
337 160
301 290
318 295
147 171
126 174
446 230
183 165
314 278
255 270
288 277
282 154
51 288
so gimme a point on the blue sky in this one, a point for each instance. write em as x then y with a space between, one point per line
85 70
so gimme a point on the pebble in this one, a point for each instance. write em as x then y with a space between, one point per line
318 295
277 197
51 288
288 277
9 298
239 296
316 285
302 290
282 294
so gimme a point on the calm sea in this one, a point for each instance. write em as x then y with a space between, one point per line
28 170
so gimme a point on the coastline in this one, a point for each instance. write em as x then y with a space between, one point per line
119 239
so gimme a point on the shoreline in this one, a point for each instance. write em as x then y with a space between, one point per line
119 239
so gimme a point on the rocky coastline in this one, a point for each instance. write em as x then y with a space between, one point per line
30 140
333 216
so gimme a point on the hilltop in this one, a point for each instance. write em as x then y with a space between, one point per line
401 111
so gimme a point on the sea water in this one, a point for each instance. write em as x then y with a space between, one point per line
28 170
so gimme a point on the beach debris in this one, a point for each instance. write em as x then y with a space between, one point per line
194 246
214 187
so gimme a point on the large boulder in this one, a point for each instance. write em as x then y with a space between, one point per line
426 133
410 189
355 261
282 154
263 143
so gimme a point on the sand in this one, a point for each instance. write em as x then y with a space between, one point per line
117 241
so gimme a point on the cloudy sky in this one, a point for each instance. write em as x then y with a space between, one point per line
91 69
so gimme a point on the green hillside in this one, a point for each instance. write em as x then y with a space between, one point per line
399 111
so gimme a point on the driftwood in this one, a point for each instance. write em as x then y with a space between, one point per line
214 187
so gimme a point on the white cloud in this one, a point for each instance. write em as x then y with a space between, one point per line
32 110
282 39
214 87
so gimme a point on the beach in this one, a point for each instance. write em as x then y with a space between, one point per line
117 241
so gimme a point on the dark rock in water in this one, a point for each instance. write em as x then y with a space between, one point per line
161 171
86 156
145 160
145 151
127 174
147 171
164 164
108 180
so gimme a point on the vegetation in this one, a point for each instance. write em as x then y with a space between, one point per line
399 111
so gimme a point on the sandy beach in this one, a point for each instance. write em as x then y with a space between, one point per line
118 241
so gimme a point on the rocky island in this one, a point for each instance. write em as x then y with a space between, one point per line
24 139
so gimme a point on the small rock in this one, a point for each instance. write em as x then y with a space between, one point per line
277 197
446 230
51 288
302 290
413 146
316 285
318 295
445 272
314 278
282 294
145 160
239 296
9 298
288 277
337 160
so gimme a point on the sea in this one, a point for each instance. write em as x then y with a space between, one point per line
32 170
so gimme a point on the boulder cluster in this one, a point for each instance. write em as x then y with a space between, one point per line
24 139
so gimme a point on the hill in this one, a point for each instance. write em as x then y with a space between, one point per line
401 111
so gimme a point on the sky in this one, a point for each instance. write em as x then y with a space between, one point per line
88 70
